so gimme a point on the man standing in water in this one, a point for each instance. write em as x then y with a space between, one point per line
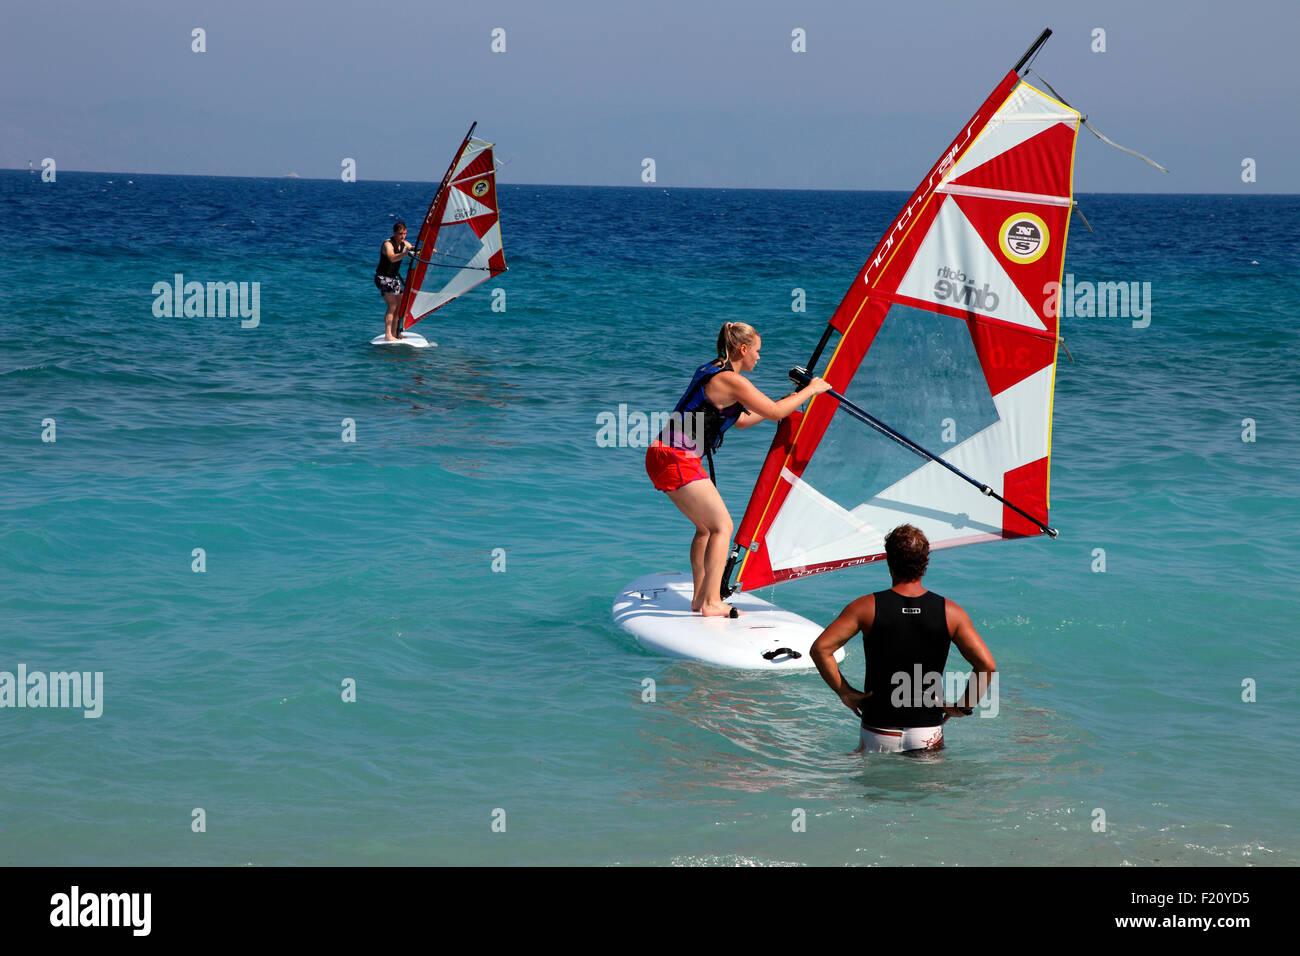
388 278
906 633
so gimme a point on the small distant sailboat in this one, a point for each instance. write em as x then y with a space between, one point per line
459 245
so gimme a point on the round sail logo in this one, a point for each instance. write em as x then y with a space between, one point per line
1023 238
480 189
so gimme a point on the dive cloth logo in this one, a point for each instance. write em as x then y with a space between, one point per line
1023 238
955 286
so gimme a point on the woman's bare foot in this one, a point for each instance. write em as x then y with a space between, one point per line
718 609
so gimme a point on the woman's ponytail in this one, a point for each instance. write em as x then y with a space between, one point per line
731 336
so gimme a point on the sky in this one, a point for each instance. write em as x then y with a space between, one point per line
585 90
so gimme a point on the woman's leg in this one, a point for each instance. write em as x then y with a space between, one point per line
700 501
699 546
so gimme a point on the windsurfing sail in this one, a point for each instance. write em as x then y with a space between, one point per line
979 244
459 245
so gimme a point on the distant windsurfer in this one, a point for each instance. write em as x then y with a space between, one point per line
718 397
388 279
906 632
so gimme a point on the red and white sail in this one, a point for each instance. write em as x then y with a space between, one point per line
980 244
459 245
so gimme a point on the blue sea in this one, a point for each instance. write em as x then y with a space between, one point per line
452 567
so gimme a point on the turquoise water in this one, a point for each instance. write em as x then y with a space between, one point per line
481 690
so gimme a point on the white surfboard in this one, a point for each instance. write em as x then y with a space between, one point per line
656 610
413 339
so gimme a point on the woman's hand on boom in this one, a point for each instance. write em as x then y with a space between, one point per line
728 387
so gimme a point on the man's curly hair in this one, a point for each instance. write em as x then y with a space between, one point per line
907 551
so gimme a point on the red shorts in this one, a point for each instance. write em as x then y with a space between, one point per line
672 468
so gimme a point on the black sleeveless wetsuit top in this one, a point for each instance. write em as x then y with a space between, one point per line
909 637
388 267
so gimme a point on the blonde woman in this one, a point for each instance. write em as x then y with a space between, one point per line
718 397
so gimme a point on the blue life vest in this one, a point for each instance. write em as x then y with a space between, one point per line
682 432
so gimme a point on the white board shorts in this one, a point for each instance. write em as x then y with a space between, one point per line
893 740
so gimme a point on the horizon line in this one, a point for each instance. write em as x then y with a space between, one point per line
837 189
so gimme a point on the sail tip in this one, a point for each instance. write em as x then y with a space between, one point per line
1034 48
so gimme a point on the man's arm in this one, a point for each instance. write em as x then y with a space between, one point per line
972 647
390 249
858 616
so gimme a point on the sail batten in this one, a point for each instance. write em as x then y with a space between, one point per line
971 259
1007 194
